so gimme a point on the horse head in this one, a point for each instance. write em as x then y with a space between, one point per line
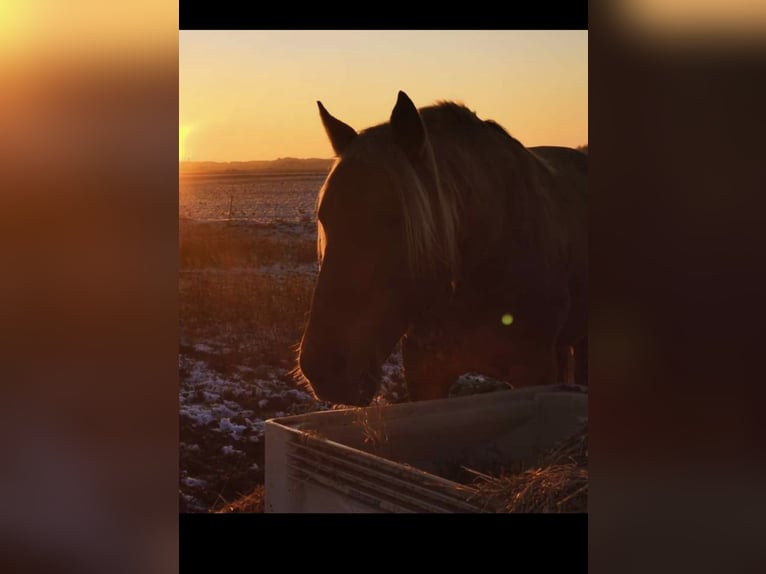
371 282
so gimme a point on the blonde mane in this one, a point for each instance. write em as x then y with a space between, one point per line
470 163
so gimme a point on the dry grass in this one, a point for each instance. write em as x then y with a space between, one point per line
245 311
373 426
559 482
216 244
249 503
224 297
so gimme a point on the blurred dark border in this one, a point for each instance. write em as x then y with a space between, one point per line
676 283
88 288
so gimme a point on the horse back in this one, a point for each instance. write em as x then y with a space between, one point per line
568 172
565 163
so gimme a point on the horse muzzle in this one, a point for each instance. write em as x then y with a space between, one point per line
331 379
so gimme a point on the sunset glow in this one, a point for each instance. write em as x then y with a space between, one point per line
255 91
15 21
183 133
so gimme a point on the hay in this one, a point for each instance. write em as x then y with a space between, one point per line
250 503
373 426
558 483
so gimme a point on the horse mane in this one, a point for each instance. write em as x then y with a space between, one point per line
471 161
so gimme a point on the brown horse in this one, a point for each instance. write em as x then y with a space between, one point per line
440 229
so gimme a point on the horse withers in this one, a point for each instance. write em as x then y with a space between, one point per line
441 230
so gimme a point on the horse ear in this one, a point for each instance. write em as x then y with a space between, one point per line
407 127
340 134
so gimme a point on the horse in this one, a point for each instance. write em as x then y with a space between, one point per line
439 230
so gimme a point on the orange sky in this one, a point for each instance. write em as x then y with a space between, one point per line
248 95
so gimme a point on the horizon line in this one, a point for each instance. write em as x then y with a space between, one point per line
313 158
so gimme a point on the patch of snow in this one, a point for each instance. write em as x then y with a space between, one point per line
222 411
194 504
194 482
199 415
258 425
226 425
202 391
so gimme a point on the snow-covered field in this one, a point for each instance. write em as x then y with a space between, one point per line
240 319
260 198
222 425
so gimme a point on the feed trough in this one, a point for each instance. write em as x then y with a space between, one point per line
409 457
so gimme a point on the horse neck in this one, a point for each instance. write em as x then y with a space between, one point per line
497 211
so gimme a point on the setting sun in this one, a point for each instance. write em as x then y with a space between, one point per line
183 132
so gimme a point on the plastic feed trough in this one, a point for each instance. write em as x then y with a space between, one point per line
399 458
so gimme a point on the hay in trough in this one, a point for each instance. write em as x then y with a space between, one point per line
558 483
